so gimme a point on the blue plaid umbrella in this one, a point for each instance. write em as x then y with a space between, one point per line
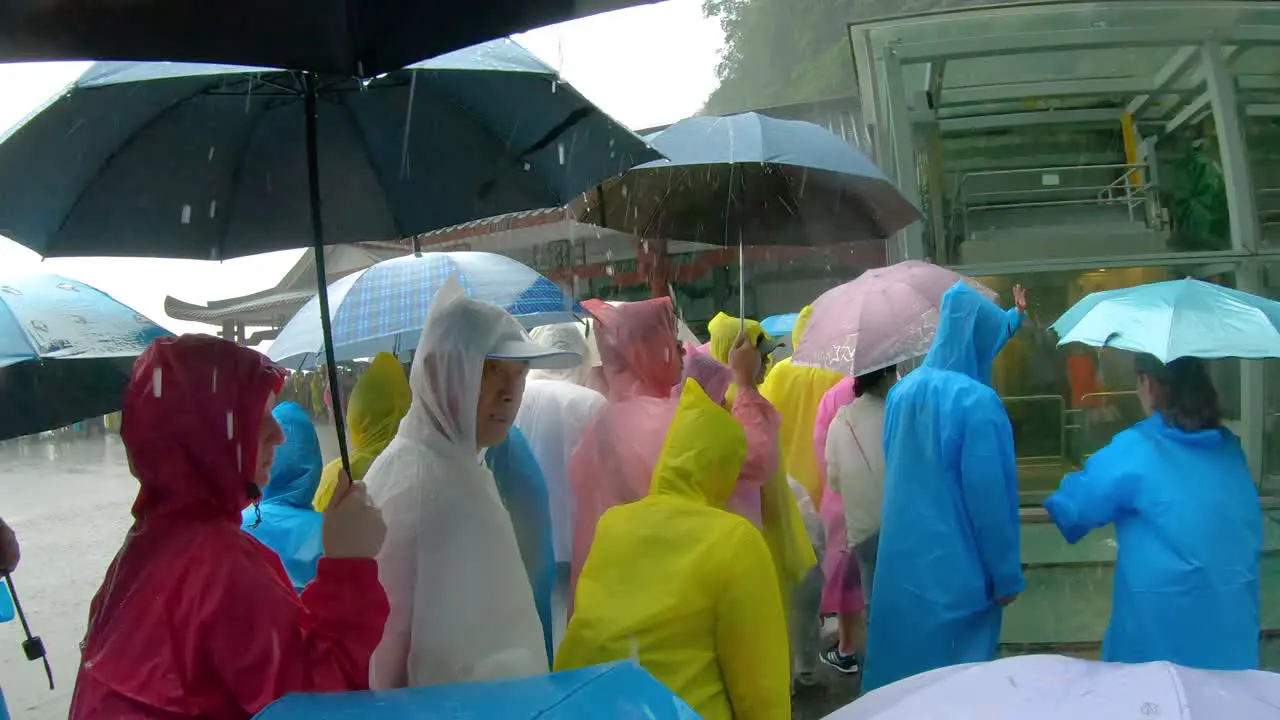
383 308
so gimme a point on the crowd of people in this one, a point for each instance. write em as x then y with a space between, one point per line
706 508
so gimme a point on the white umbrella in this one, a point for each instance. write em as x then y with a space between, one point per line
1052 687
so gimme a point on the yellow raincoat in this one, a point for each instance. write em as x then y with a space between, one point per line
684 586
379 401
783 525
796 392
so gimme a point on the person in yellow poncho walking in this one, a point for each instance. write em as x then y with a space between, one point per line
797 391
782 523
684 586
379 401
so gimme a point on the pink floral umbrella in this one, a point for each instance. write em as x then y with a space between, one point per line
881 318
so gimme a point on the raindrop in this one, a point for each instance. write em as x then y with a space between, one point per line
215 381
624 191
231 426
608 270
211 149
611 141
213 208
526 167
186 214
560 151
554 84
155 382
239 458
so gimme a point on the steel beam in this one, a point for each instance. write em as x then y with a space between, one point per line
1241 198
1189 111
1084 39
902 134
1183 59
951 126
1008 92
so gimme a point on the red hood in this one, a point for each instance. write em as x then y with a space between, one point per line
190 424
637 344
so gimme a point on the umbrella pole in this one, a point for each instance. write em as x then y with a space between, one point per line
33 647
322 286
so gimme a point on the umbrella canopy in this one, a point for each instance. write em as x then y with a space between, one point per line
1176 318
210 162
753 180
358 38
66 352
779 325
382 308
881 318
619 690
1052 687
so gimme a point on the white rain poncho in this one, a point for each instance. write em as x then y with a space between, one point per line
553 415
461 606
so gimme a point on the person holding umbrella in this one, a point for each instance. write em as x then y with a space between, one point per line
949 547
1188 526
195 617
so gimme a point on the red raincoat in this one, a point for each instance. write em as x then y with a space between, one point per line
195 617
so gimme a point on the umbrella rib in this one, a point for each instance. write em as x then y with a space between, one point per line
364 139
120 148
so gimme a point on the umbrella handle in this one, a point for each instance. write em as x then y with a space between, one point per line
33 646
322 285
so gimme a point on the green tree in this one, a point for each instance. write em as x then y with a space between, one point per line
779 52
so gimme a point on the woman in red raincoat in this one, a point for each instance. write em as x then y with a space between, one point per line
195 617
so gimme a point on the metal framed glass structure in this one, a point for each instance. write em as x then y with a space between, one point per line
1076 146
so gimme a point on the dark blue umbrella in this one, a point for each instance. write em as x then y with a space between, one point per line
754 180
619 690
211 162
359 38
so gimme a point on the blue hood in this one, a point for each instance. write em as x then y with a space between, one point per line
295 473
971 332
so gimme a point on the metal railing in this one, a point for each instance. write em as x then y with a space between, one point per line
1131 189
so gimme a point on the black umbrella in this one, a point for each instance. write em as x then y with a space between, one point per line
206 162
354 38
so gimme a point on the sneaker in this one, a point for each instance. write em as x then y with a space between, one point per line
847 664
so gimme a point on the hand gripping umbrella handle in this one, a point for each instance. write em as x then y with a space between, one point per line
33 646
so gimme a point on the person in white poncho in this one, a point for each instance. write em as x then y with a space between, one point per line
461 606
556 409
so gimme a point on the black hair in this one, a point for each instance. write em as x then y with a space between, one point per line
1186 396
868 382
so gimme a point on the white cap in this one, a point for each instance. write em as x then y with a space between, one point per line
515 344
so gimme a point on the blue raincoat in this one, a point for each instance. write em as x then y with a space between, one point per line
1189 535
290 525
949 533
524 493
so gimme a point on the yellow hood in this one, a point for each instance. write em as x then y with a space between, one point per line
724 331
703 452
378 402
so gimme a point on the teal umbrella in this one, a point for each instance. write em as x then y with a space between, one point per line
1173 319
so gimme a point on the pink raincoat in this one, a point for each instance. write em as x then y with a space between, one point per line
760 421
837 595
614 461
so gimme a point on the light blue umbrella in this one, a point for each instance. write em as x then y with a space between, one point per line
66 352
619 690
1176 318
383 307
779 325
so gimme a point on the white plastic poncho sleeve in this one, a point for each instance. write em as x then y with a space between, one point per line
461 606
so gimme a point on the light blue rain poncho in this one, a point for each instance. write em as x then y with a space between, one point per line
949 532
524 493
290 525
1189 535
